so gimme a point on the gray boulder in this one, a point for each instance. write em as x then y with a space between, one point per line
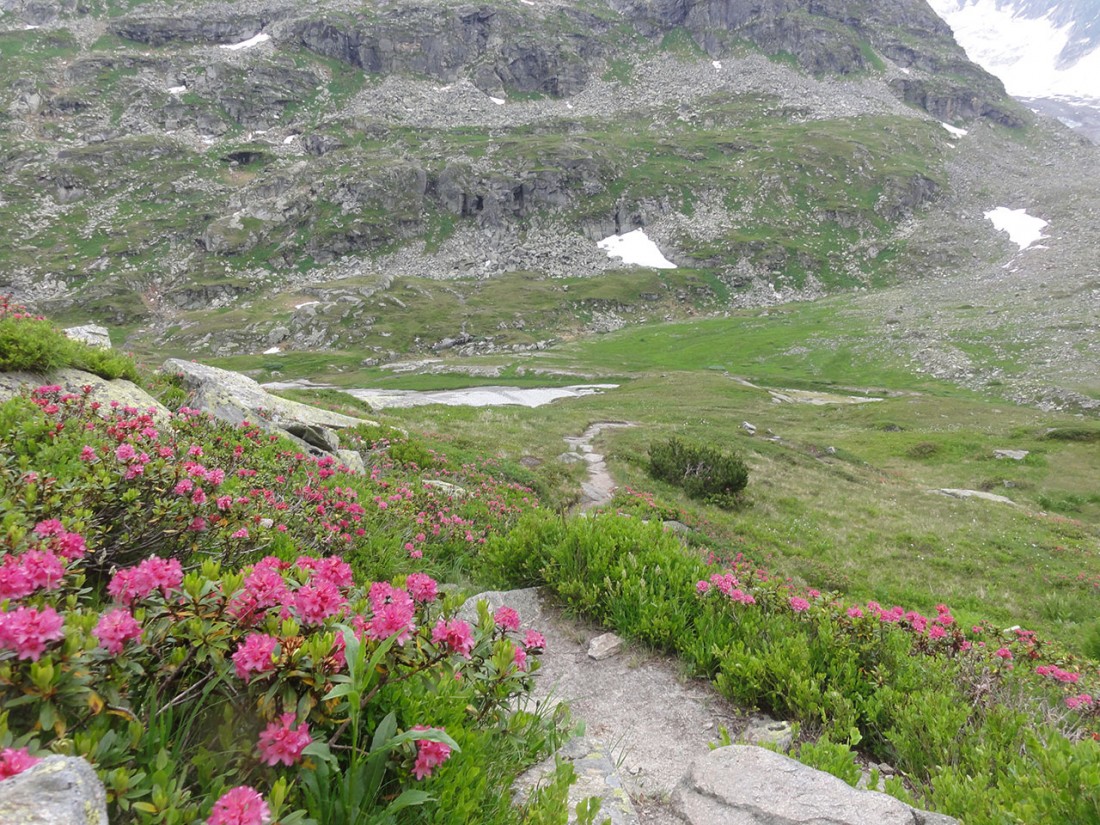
235 398
59 790
352 460
126 393
525 602
744 785
91 334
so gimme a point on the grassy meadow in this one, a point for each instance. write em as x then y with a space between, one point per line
839 496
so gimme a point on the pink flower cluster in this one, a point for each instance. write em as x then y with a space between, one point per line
1082 700
455 635
429 755
115 628
256 654
240 806
728 585
394 613
27 631
135 583
16 760
281 742
1056 673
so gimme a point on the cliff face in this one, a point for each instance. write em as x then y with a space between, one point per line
162 162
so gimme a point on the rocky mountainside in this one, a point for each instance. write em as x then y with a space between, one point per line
398 177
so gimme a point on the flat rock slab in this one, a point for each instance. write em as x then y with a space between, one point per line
745 785
236 398
953 493
59 790
126 393
1015 455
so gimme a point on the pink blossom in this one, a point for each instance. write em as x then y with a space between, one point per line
43 569
394 612
455 634
240 534
333 569
49 527
26 630
534 640
115 628
1081 700
255 655
315 603
240 806
421 587
429 755
855 612
280 742
936 632
125 452
71 545
16 760
799 605
507 618
519 656
1003 653
87 454
702 587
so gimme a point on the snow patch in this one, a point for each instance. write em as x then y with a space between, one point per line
477 396
635 248
30 28
955 130
716 64
289 139
272 351
1023 229
1023 52
176 90
306 304
255 40
499 101
904 70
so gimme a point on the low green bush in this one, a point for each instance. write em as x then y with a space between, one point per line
962 713
703 472
29 343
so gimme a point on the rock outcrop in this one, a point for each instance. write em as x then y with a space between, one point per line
236 398
118 392
59 790
746 785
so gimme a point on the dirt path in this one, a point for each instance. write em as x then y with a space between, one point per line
599 487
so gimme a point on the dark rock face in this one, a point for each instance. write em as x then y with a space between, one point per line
442 43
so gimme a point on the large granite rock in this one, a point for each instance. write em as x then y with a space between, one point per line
91 334
235 398
59 790
126 393
745 785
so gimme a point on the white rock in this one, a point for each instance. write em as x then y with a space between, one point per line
604 646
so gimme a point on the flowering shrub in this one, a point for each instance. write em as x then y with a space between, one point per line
262 666
178 604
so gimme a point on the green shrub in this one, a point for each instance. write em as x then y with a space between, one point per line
28 345
32 344
703 472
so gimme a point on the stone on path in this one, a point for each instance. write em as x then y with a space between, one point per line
745 785
604 646
59 790
597 776
763 730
